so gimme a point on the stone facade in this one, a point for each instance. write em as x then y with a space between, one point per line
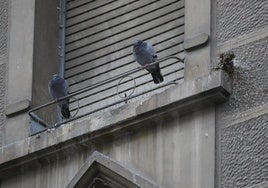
210 131
235 18
3 61
249 79
244 153
2 100
242 120
4 27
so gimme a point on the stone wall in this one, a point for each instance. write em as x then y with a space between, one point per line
4 27
2 100
250 86
244 153
3 60
242 27
173 150
238 17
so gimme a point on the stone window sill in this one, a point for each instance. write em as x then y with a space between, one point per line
206 90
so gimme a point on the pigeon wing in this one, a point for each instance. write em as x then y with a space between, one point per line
151 51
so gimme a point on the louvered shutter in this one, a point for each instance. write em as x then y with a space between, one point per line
99 39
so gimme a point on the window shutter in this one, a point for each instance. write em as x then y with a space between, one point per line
99 39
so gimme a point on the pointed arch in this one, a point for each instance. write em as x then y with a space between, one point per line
101 171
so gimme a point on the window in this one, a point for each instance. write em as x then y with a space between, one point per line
46 60
99 39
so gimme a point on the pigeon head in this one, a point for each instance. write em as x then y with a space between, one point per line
56 76
138 42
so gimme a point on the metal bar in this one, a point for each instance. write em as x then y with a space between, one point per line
62 36
114 103
93 86
105 82
109 105
36 118
93 102
137 77
39 120
131 79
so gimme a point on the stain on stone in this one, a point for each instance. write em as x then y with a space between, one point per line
250 85
226 62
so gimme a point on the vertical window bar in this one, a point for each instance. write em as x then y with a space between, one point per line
62 36
62 26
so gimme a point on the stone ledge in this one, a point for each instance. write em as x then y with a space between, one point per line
207 90
234 119
243 40
195 42
18 107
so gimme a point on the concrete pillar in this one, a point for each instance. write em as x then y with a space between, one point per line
197 34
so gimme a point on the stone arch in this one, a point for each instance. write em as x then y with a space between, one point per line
101 171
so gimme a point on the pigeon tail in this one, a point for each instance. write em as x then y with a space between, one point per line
157 77
65 111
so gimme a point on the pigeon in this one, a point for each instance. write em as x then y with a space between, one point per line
58 87
144 54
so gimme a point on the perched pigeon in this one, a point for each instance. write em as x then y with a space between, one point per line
144 54
58 87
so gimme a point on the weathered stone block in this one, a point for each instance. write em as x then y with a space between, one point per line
238 17
250 79
244 149
2 99
17 107
3 26
196 41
